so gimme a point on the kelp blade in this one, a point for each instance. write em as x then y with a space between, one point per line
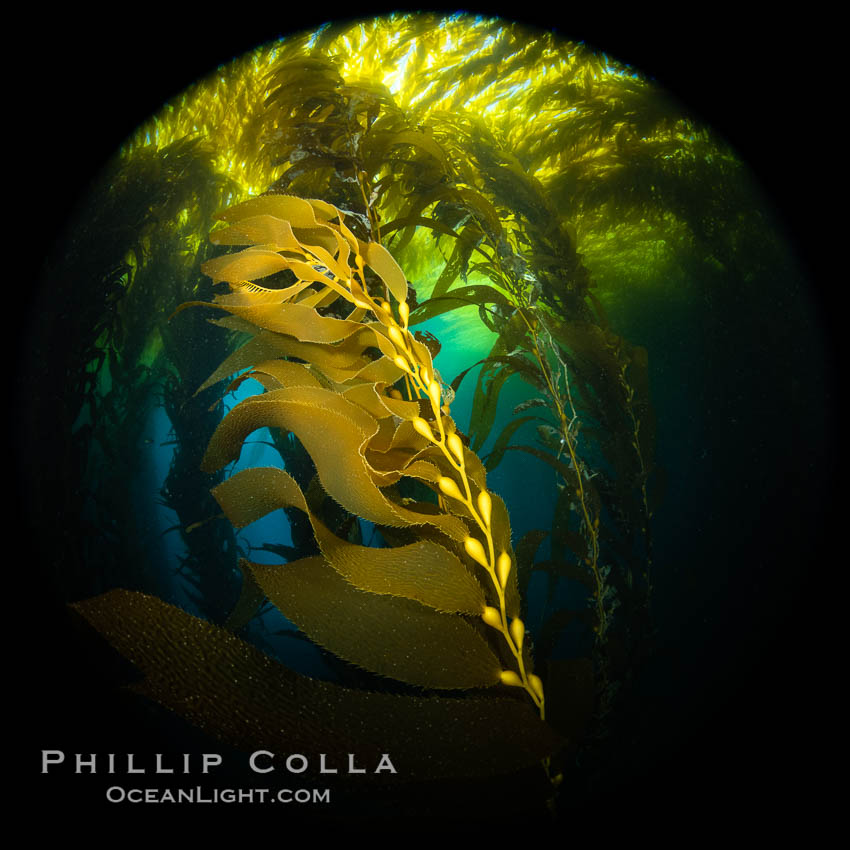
243 698
388 635
423 571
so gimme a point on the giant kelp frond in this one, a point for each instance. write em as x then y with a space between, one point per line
365 437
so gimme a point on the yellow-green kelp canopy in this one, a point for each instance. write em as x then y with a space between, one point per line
630 172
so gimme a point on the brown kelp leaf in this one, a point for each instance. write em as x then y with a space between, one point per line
250 264
372 396
367 397
424 571
380 371
336 259
439 650
246 700
272 232
323 297
337 362
334 433
424 470
381 261
296 211
325 211
261 348
406 410
277 408
276 374
295 320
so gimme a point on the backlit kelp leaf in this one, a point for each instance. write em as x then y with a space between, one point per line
371 397
478 294
334 432
423 571
440 650
296 320
247 700
325 211
270 231
317 298
277 374
339 360
467 241
423 142
380 371
246 293
413 221
297 211
485 401
274 408
367 397
384 265
293 222
250 264
400 408
337 266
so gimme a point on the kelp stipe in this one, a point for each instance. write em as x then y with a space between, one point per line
438 600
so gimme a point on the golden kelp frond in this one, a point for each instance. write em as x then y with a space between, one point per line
364 437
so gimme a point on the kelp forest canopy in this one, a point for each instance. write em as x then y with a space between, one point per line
566 132
501 200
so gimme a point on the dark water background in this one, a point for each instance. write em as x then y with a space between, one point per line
745 393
